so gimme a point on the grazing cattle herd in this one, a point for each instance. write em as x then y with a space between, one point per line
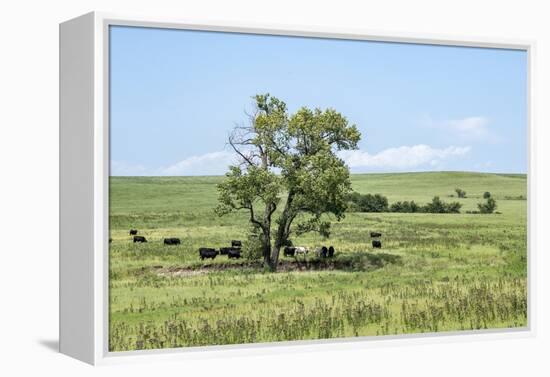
325 252
234 251
291 251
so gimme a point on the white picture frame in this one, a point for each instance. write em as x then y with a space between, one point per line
84 177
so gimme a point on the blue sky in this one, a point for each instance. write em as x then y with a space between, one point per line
175 96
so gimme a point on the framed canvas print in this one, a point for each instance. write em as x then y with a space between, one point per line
229 186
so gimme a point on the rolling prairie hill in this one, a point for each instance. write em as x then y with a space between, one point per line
435 272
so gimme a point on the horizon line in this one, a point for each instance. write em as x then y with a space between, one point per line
366 173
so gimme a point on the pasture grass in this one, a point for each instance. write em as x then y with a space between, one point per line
435 272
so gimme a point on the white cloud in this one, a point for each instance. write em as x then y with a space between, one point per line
214 163
400 158
471 128
484 166
122 168
468 129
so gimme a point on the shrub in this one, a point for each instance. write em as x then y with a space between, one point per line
460 193
354 197
367 203
373 203
398 207
353 207
520 197
252 246
453 207
487 207
405 207
438 206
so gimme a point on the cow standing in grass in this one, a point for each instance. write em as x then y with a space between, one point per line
172 241
234 253
331 251
206 252
225 250
289 251
301 250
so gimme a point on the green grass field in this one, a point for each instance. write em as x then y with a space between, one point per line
435 272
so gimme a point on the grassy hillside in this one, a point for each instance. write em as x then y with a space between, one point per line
434 272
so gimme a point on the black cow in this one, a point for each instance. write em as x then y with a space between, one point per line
234 253
139 239
376 244
236 243
330 252
206 252
225 250
172 241
375 234
324 252
133 232
289 251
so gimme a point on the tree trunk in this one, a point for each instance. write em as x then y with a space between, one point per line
267 223
267 248
282 234
267 257
275 257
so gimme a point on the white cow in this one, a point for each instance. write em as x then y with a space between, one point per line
301 250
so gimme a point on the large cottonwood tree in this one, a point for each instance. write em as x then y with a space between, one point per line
289 178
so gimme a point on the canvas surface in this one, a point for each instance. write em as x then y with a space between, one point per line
397 170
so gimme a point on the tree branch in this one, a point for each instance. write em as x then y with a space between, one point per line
245 158
252 217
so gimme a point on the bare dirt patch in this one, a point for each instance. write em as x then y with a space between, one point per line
360 262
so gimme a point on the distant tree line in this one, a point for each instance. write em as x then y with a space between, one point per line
379 203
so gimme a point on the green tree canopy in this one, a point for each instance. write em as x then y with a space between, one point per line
288 162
